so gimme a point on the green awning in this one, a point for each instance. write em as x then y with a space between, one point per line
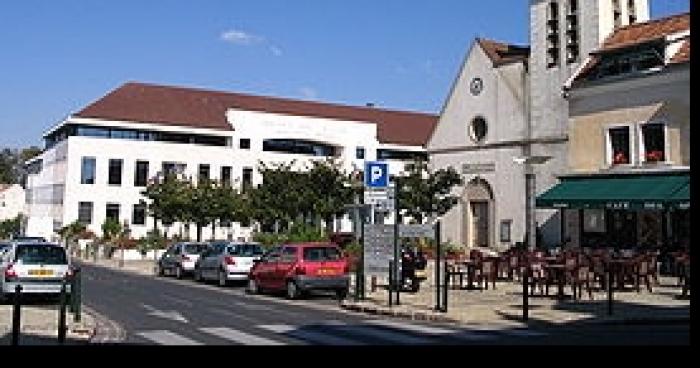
681 198
652 192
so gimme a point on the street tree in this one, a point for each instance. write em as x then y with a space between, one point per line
425 194
202 207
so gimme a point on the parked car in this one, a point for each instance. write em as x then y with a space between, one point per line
180 258
297 269
40 268
227 261
28 239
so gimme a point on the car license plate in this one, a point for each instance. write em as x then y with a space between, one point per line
40 272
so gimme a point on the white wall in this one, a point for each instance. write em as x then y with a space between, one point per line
11 202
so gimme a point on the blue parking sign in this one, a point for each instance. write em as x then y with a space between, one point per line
376 175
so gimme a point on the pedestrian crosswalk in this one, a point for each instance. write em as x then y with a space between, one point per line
332 332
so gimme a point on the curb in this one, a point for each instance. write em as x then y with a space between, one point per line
431 316
403 314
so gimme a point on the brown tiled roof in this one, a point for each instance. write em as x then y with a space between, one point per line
639 33
189 107
683 55
502 53
4 186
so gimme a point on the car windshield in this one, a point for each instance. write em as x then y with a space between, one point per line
246 250
321 254
32 254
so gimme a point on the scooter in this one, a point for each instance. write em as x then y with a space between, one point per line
412 270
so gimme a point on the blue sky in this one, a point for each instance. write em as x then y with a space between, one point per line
58 56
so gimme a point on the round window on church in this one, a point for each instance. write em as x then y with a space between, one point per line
478 129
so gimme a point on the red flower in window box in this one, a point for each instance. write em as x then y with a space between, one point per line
620 158
654 156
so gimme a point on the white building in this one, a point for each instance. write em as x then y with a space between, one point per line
11 201
507 102
98 161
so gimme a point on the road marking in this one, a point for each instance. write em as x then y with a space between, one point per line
307 335
239 336
395 337
172 315
232 314
164 337
411 327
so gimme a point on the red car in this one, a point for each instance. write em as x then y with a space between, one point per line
300 268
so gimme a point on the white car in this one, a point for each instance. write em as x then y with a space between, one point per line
180 258
227 261
40 268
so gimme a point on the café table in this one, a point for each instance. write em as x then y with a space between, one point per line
557 270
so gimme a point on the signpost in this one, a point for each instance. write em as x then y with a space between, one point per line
378 249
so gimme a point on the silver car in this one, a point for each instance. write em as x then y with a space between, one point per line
180 258
40 268
227 261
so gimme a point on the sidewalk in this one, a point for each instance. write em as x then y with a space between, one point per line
144 267
502 307
39 325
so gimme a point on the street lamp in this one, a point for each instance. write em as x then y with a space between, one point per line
530 192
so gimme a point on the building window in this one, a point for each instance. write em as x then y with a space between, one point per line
299 147
478 129
360 153
245 143
572 33
631 11
112 211
85 213
654 141
173 168
115 171
398 155
226 176
247 179
203 172
141 174
87 171
620 145
617 13
139 214
505 230
552 34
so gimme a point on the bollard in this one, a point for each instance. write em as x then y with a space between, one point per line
526 275
16 315
62 315
446 285
76 296
391 283
610 290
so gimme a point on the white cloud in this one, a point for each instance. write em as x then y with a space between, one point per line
238 37
308 92
276 50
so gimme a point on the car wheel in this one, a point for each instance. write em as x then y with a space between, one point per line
252 286
292 290
222 278
178 272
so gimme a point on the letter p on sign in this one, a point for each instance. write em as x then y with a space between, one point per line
376 175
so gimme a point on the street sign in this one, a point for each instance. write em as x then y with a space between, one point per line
378 249
376 175
381 199
416 231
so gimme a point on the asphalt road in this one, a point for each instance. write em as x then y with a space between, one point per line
165 311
